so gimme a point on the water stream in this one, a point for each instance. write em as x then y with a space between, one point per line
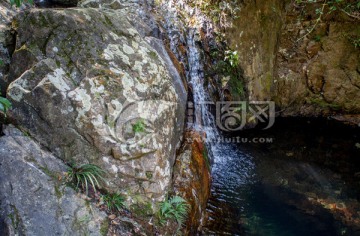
303 183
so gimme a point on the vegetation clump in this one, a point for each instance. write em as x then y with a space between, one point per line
175 208
226 65
222 12
114 201
85 175
325 7
139 126
5 105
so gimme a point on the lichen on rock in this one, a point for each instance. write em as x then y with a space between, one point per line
85 87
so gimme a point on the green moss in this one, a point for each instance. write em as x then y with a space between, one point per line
111 123
15 217
80 224
58 64
153 55
108 21
42 21
58 192
266 83
206 157
97 95
104 227
149 174
142 209
263 18
236 88
48 172
323 104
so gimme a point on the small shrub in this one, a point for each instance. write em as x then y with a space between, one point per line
317 38
222 12
139 126
176 208
85 175
114 201
232 57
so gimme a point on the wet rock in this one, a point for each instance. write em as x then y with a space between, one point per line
92 90
192 179
33 201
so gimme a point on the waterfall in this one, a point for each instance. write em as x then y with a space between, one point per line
205 122
227 158
204 119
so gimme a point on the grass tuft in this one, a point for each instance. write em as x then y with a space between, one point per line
114 201
85 175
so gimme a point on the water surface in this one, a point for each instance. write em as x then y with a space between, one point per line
305 182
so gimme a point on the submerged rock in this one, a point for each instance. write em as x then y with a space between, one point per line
32 201
87 86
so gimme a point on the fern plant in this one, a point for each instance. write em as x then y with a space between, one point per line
114 201
85 175
176 208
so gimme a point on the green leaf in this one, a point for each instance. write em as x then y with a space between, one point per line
5 104
4 101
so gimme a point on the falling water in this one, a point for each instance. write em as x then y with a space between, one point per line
227 158
204 119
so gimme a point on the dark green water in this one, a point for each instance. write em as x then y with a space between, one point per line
305 182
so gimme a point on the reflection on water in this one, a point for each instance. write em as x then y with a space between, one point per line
305 183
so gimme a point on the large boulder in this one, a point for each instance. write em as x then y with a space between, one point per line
32 200
87 86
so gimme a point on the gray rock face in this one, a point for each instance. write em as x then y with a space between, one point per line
6 42
32 202
91 89
305 74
